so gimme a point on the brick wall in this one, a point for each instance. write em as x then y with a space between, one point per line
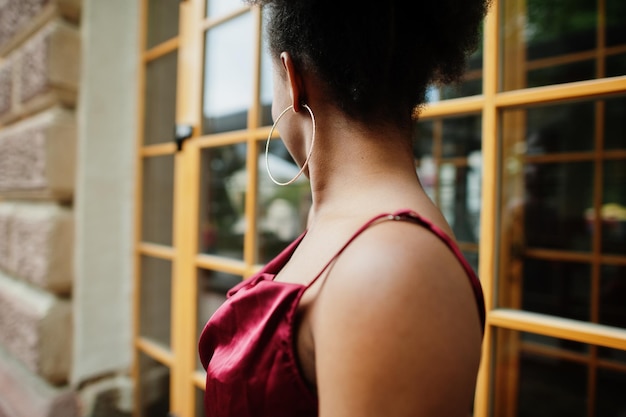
39 78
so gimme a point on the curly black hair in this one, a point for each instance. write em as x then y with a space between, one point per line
376 58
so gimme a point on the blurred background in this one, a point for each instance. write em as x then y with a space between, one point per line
133 196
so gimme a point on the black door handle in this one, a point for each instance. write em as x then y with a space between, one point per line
181 134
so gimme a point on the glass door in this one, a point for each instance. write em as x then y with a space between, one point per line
557 335
206 219
155 363
164 349
243 220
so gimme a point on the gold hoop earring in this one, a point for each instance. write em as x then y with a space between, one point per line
267 147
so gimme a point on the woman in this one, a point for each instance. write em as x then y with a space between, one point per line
372 311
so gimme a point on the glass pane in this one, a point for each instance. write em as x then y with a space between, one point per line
545 35
459 198
615 18
615 123
282 211
545 203
157 204
611 388
228 75
562 381
223 186
613 212
162 21
561 128
616 65
612 355
267 81
559 74
448 160
216 8
470 85
460 184
536 383
212 289
155 302
536 375
472 259
425 163
461 136
154 388
556 288
160 99
613 296
557 197
199 409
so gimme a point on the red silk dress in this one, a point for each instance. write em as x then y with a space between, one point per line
248 345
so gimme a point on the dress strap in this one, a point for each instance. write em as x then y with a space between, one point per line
376 219
411 216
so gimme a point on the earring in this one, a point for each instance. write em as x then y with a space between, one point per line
267 147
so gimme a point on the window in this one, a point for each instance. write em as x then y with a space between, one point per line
526 158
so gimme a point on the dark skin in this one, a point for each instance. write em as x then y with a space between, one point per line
392 327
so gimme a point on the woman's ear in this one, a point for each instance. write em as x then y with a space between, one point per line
295 81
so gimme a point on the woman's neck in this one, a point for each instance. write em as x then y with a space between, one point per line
355 169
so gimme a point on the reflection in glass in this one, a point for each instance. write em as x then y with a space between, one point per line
199 408
461 136
212 289
546 203
557 288
459 198
613 211
223 184
562 381
282 211
423 142
267 82
448 160
559 74
560 128
612 355
616 65
615 123
548 41
162 21
611 388
472 259
216 8
154 387
555 27
530 384
613 296
551 201
155 303
160 99
157 203
615 18
460 184
470 85
558 197
228 75
467 87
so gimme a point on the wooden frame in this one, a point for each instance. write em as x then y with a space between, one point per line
181 358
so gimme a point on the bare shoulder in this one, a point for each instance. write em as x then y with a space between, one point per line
407 262
396 328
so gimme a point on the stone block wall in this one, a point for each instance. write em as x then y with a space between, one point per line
39 78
